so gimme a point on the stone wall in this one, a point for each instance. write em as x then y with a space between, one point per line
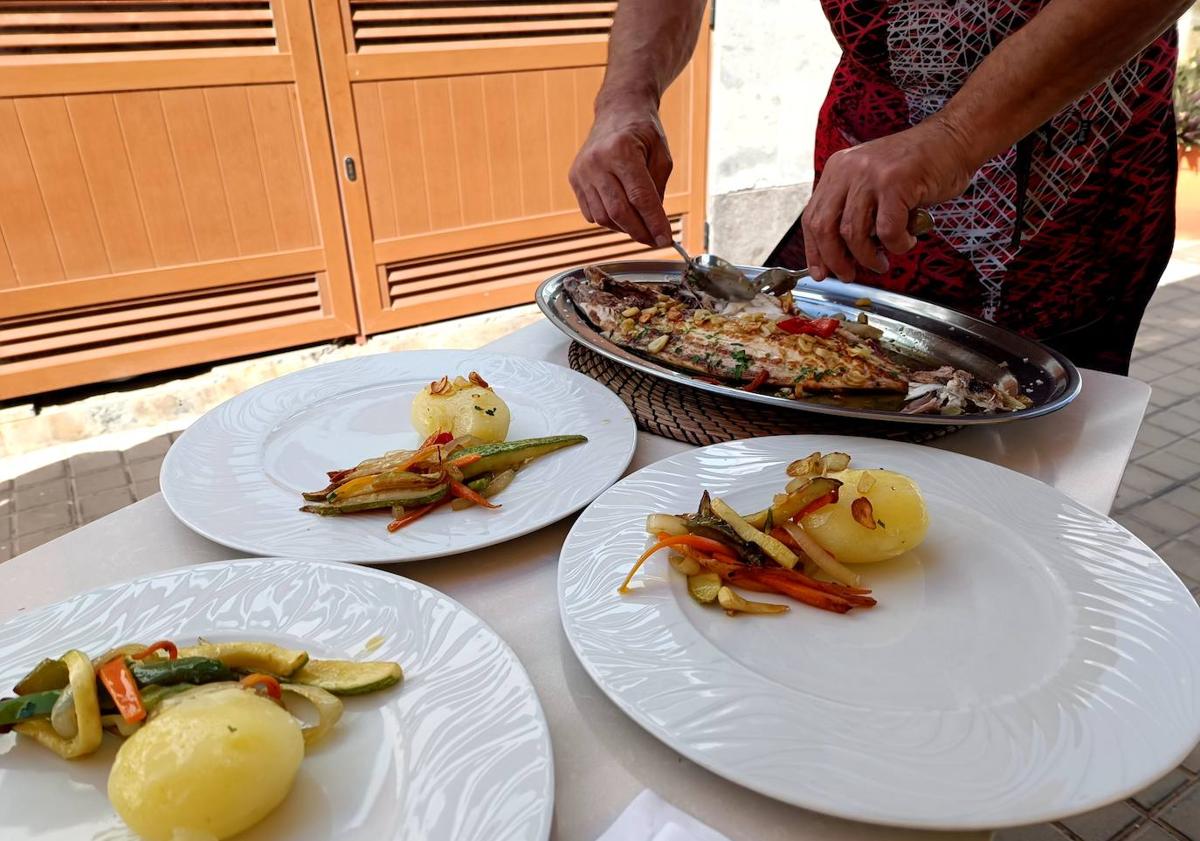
771 65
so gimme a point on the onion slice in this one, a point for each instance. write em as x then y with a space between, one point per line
329 709
819 556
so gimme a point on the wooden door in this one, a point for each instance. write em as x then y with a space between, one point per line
167 189
461 119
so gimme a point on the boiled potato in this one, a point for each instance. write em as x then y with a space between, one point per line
461 407
897 509
212 764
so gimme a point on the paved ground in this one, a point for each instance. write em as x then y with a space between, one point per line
1159 501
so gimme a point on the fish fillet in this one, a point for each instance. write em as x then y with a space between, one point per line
677 330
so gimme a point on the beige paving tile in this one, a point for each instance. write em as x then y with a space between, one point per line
44 474
1176 467
154 448
1156 436
1103 824
1142 478
146 469
1153 832
1163 397
55 515
101 480
88 462
146 488
1038 832
1184 814
1183 557
1172 421
1166 517
1162 789
1186 497
45 493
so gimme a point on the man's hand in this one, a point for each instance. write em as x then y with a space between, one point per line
621 172
862 203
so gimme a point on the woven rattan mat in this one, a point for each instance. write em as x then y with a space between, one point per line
700 417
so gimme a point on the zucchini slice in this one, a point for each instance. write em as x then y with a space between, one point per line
349 677
250 656
496 458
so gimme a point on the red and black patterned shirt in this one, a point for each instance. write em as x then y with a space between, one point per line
1097 220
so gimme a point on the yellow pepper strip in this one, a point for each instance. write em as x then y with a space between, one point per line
87 713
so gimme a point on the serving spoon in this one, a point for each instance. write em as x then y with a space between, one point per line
722 279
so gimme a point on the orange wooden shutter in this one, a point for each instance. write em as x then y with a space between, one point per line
462 119
168 191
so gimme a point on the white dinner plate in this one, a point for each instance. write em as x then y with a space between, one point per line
236 475
1030 660
460 749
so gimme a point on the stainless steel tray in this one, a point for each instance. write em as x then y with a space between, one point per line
923 332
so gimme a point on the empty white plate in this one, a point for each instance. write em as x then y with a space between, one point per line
1030 660
460 749
236 475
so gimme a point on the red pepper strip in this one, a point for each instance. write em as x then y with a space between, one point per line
758 382
119 682
708 380
463 461
823 327
415 514
463 492
437 439
418 457
161 645
816 505
268 683
693 541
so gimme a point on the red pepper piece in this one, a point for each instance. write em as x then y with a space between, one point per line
758 382
437 439
269 684
161 645
822 327
119 682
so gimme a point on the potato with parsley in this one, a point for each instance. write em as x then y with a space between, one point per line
879 515
462 406
210 763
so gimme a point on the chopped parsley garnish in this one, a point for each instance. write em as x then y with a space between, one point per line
882 524
478 408
489 412
742 360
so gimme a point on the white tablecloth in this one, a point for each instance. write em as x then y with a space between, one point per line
602 759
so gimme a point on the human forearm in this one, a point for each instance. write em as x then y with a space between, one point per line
1065 50
650 44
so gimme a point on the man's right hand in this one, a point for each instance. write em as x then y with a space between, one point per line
620 174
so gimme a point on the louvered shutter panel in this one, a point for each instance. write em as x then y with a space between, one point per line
167 193
501 276
73 28
394 26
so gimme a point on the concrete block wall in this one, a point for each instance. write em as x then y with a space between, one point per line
771 66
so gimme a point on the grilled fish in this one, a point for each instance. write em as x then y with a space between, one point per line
731 341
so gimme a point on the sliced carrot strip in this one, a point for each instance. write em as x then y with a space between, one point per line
704 544
463 492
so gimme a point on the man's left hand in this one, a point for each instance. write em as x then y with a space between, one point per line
861 205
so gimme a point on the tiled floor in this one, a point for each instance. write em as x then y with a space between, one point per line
1159 501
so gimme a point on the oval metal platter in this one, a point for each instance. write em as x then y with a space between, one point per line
924 333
